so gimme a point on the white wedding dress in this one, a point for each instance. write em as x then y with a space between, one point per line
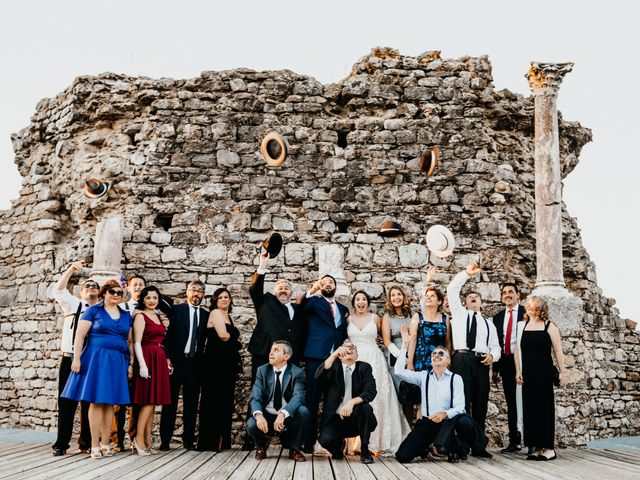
392 425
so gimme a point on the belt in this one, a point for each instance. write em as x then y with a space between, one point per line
470 352
68 355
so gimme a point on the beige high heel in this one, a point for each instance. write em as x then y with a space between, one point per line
140 451
96 452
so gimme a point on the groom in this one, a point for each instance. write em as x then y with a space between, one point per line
326 322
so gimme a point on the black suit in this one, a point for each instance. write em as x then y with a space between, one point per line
186 373
506 367
362 421
273 323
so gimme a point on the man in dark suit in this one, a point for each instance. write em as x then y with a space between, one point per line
276 319
505 322
325 322
276 403
184 345
347 410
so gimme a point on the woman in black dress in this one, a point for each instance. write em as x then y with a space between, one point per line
535 372
221 365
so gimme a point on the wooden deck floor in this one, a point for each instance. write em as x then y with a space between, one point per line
33 460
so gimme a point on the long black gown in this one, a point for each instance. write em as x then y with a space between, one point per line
221 365
537 391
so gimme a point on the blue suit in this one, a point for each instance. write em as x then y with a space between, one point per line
297 421
323 337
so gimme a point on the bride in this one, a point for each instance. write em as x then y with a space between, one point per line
363 331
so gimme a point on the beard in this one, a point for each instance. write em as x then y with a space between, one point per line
328 292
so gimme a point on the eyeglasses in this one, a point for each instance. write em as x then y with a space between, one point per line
91 285
439 353
115 293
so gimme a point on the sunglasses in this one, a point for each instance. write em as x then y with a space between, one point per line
115 293
91 285
439 353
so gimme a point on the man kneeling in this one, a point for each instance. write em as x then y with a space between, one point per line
277 403
347 412
443 421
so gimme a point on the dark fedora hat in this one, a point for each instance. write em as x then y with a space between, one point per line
274 149
95 188
272 245
429 160
389 228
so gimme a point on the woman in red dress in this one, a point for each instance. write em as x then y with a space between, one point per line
152 382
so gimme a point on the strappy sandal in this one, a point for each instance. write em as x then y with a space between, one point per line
96 452
107 450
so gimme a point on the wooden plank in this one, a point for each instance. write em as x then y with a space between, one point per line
322 468
141 466
7 448
24 449
284 469
359 469
380 471
46 470
425 470
227 458
397 468
19 462
243 471
466 468
303 471
523 467
186 469
598 463
617 455
342 470
167 470
266 467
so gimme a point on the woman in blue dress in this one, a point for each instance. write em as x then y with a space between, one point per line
99 374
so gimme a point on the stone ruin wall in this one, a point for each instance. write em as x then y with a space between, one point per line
197 198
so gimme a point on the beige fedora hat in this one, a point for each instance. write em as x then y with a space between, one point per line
274 149
440 241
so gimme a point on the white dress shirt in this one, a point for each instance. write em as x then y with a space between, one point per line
486 335
270 408
187 347
347 372
69 305
439 388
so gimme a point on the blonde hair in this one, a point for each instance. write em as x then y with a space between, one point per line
406 305
540 306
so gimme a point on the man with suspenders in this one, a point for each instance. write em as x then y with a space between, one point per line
72 308
444 421
475 346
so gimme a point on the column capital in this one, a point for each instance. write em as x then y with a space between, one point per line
545 78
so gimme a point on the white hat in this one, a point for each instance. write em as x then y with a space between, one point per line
440 241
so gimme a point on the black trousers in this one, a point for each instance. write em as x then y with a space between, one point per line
67 412
475 376
426 432
216 410
361 422
186 376
296 426
508 374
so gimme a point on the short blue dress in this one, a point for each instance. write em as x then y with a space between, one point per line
104 360
430 336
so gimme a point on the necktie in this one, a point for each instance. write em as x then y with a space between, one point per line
277 393
347 384
194 333
471 332
507 339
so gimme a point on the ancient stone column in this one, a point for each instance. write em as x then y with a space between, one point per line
107 250
331 261
544 81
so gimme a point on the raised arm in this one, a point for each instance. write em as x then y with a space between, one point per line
63 281
454 288
256 287
399 369
413 333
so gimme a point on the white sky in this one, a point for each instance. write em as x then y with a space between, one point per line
45 44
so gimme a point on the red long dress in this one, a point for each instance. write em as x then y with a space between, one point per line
156 389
